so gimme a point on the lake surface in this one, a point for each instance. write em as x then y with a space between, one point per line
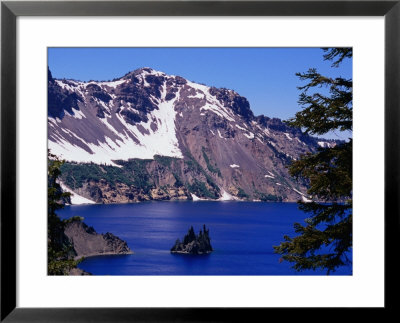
242 235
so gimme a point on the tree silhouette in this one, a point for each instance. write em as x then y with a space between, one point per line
326 239
59 249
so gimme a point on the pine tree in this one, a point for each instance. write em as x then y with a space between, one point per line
59 249
326 239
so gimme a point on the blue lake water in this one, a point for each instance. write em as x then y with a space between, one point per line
242 235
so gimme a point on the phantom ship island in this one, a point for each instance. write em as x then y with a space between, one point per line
194 244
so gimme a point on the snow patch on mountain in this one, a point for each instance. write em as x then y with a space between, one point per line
76 199
298 191
250 135
305 199
196 198
78 114
212 104
162 141
266 131
113 84
70 86
325 144
218 110
225 196
239 127
288 136
198 95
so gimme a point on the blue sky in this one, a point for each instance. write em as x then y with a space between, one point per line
265 76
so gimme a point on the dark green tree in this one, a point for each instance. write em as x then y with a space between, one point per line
190 236
326 238
59 249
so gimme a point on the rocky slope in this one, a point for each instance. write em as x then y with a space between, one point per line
153 136
78 272
87 242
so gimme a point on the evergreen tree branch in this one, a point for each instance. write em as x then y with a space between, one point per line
326 239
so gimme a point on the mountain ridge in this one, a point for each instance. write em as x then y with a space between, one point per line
212 144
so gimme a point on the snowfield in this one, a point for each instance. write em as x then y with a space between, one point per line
75 198
130 143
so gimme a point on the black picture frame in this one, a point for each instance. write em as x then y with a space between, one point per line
10 10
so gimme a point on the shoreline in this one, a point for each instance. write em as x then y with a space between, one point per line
104 254
188 253
185 201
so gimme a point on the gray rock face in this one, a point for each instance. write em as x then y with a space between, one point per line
78 272
87 242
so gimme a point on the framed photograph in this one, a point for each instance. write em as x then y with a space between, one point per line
195 159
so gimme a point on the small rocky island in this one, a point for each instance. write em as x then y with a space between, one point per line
87 242
194 244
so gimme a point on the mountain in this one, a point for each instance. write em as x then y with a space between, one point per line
153 136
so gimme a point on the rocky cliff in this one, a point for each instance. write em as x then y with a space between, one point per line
87 242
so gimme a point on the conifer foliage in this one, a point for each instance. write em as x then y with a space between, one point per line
194 244
326 239
60 252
